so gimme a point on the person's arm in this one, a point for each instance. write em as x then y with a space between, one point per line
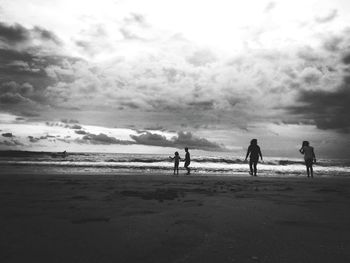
248 151
313 155
260 155
301 150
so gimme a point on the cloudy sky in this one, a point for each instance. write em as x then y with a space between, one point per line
148 76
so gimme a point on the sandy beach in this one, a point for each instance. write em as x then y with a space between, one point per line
162 218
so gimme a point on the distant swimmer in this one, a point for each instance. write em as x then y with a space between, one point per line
187 161
176 159
254 152
309 157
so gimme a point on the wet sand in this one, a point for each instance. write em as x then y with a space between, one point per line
162 218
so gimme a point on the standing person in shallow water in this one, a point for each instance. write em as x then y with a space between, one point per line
254 152
176 159
187 161
309 157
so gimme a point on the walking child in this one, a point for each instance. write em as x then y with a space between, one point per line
176 159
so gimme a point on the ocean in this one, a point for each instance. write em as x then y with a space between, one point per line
208 164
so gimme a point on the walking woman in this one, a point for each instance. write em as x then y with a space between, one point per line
309 157
253 152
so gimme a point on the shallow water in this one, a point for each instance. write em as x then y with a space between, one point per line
204 165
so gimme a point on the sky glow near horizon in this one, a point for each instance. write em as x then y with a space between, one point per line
153 74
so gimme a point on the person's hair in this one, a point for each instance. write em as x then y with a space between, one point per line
254 142
186 148
176 153
305 143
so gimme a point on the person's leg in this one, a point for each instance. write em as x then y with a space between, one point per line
251 167
311 171
308 167
255 168
187 168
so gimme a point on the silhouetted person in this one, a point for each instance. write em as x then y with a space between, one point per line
176 159
187 161
253 152
309 157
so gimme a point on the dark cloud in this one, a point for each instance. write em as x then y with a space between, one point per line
130 104
29 114
75 127
27 66
47 35
11 86
148 138
69 121
333 43
311 75
65 123
7 135
11 143
44 137
25 89
12 98
187 139
346 59
330 16
52 124
81 132
10 140
8 55
183 139
309 54
47 136
33 139
22 67
202 105
155 128
25 78
102 139
30 64
328 109
14 34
